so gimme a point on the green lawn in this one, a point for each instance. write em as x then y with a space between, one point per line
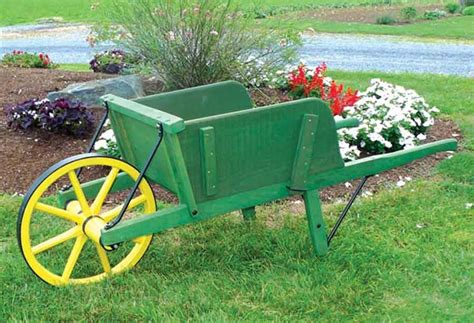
403 255
24 11
78 67
454 27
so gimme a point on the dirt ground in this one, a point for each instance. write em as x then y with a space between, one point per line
367 14
24 156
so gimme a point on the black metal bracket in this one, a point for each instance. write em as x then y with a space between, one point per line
115 221
347 208
97 133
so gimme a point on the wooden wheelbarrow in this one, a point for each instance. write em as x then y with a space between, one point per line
214 151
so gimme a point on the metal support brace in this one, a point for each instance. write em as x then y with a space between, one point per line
115 221
347 208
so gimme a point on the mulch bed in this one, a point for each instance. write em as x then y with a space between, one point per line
24 156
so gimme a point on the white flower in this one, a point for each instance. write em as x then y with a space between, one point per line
171 36
421 137
401 183
108 135
214 33
468 206
101 145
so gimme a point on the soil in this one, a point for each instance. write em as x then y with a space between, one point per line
362 14
25 155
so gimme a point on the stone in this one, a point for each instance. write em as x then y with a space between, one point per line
89 93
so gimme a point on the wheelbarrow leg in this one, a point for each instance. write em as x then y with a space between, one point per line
249 213
317 228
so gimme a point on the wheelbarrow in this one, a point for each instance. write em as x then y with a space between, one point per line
209 147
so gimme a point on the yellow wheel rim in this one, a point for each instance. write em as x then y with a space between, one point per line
73 216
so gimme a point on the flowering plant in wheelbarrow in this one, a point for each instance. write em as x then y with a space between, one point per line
61 116
19 58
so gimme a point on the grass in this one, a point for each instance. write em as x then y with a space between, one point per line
404 255
74 67
452 28
27 11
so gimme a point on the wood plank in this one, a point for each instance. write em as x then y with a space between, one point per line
208 160
304 151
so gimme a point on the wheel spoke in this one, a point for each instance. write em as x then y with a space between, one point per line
50 243
79 193
104 260
58 212
72 260
104 190
109 215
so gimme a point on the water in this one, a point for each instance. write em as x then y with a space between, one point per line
66 43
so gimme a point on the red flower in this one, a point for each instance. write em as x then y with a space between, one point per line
314 86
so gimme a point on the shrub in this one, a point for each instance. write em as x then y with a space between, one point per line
61 116
112 62
386 20
434 14
196 43
408 13
453 7
20 58
468 11
303 82
392 118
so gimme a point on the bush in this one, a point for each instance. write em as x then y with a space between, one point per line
303 82
386 20
453 7
20 58
392 118
408 13
112 62
61 116
434 14
196 43
468 11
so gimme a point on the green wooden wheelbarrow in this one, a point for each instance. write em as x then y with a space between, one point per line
212 149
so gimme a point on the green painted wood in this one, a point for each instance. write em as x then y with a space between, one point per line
256 147
249 213
208 160
183 184
91 188
136 140
316 225
377 164
347 123
177 216
147 224
201 101
144 114
304 151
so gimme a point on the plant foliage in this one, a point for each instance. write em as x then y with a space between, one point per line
60 116
19 58
114 61
386 20
190 43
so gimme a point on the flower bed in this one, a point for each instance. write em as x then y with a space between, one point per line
112 62
20 58
392 118
61 116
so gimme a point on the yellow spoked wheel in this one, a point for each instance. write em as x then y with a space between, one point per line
52 238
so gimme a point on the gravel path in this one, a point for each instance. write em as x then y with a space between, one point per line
66 43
